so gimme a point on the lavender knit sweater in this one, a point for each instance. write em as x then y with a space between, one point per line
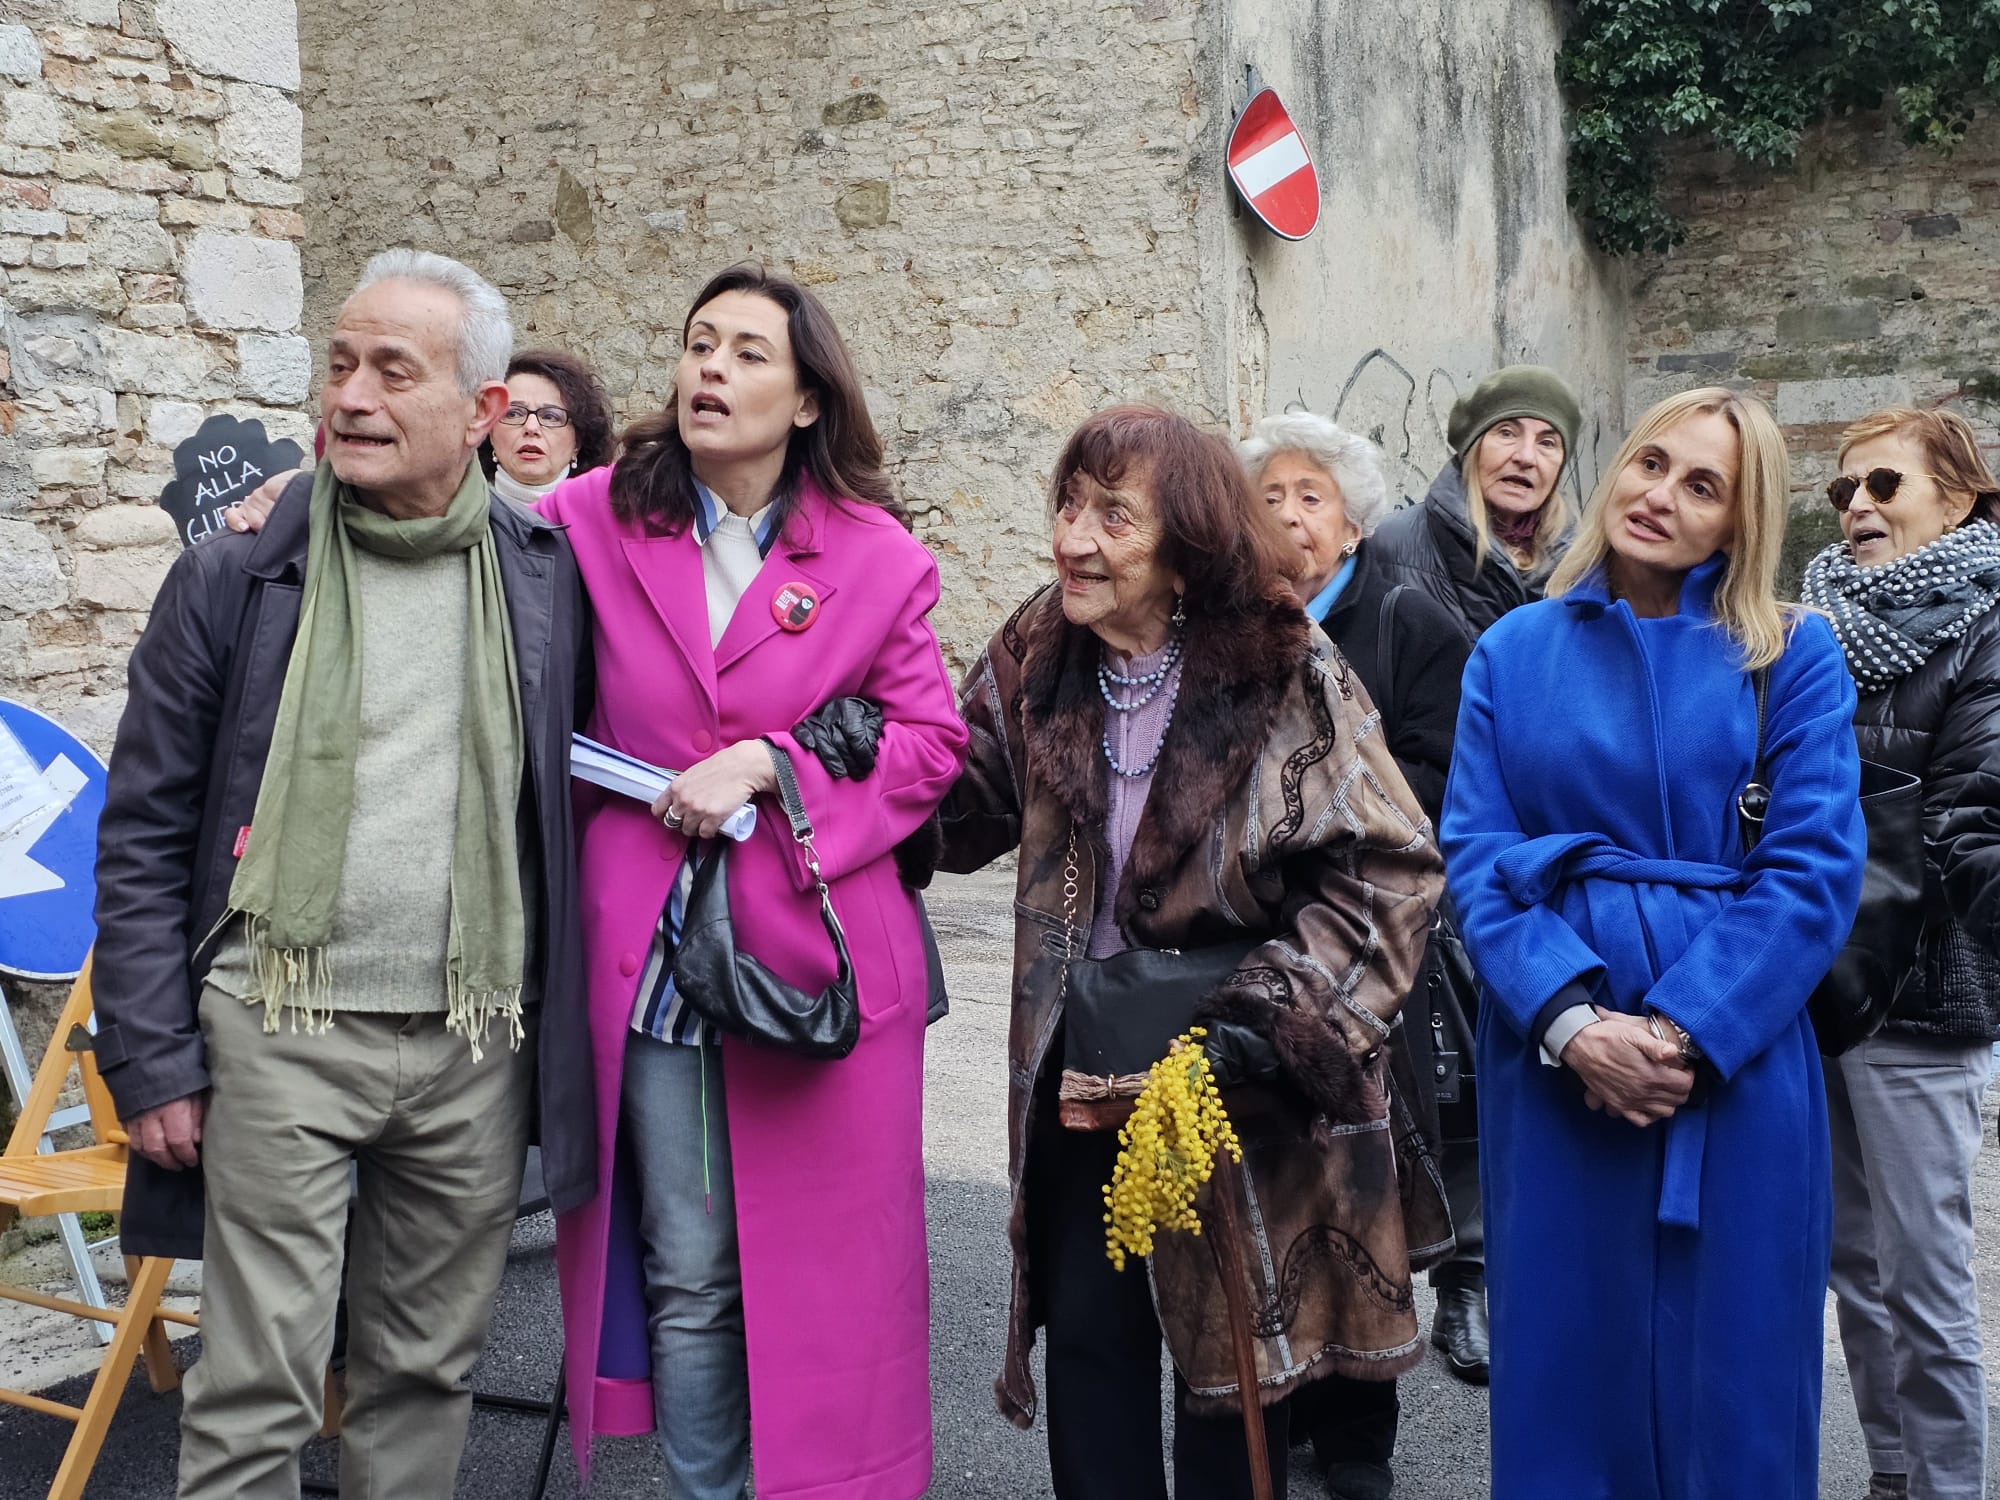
1134 738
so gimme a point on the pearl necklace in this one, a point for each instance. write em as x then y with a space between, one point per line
1152 683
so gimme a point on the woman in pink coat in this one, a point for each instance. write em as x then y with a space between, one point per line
755 1274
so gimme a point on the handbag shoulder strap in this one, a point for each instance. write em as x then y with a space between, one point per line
1755 799
794 804
1385 643
789 797
1761 681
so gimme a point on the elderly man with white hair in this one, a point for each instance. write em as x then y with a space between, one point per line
337 914
1326 488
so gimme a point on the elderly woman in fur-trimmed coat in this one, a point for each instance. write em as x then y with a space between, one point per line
1167 705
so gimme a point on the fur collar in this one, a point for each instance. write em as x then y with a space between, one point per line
1235 674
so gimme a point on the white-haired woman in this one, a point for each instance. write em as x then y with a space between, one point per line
1657 1183
1325 487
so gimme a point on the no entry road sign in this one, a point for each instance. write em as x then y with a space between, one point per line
1272 169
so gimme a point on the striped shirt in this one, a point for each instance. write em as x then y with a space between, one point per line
732 551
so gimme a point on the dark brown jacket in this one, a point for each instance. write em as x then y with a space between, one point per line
1276 812
203 688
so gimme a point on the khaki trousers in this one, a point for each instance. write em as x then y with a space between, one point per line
437 1143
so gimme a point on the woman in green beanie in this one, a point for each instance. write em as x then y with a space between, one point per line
1494 524
1483 541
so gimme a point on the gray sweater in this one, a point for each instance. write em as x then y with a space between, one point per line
392 917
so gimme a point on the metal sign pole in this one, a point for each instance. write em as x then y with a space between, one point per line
20 1077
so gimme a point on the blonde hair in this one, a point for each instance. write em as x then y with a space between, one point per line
1746 601
1950 445
1551 521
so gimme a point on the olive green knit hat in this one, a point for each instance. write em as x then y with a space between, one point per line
1517 391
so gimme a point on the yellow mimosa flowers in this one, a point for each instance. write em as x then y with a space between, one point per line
1167 1151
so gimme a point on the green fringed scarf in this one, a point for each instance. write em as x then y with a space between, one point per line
289 877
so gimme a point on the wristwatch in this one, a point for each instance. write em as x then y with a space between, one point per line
1690 1049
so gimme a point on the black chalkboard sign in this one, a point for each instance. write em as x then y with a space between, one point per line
217 467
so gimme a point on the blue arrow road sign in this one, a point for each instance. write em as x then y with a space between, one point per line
51 791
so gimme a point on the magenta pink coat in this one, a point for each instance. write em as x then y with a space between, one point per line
828 1156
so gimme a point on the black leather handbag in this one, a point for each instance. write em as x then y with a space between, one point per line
1852 1001
736 992
1120 1013
1450 993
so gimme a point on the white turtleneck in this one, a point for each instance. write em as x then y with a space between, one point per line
508 487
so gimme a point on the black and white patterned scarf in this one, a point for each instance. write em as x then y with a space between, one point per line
1891 618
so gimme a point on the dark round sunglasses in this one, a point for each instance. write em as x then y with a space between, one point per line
1882 486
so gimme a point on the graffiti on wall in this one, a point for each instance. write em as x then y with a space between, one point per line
1407 416
1403 416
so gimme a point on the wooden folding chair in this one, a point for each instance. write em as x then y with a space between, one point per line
90 1179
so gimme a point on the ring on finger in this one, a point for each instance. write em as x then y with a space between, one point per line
671 817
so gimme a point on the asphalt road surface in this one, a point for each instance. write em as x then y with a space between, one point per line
979 1456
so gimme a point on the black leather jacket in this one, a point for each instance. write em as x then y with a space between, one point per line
203 688
1941 723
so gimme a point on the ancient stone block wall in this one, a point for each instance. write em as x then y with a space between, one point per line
1867 274
149 276
1018 212
994 200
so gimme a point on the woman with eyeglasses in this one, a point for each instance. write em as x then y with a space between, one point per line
557 423
1911 592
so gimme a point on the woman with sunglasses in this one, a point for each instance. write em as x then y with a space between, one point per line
1911 592
557 423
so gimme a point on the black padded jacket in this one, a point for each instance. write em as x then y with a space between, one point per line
1431 545
1941 723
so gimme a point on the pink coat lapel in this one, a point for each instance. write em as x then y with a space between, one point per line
669 572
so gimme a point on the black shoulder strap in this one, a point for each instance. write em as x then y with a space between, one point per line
1385 644
1755 799
1761 680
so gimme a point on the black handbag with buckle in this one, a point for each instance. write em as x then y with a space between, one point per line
1120 1013
1852 1001
739 994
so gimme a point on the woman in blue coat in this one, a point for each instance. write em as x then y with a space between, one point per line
1655 1160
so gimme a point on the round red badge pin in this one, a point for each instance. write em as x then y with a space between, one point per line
795 606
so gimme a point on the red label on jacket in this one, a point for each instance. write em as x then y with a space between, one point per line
242 840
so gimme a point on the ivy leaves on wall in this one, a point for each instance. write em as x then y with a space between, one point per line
1754 74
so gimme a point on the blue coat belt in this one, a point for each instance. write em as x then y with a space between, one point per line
1639 926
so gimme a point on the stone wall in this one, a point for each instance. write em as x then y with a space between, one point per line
1017 212
1867 274
149 276
1446 247
993 199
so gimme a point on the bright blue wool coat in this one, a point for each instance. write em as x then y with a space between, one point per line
1657 1295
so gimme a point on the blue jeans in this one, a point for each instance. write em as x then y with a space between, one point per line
674 1119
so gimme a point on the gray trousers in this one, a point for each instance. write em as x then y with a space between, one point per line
674 1118
1905 1119
437 1142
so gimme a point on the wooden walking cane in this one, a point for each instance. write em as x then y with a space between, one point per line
1228 1252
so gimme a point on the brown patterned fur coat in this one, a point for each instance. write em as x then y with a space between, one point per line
1276 812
